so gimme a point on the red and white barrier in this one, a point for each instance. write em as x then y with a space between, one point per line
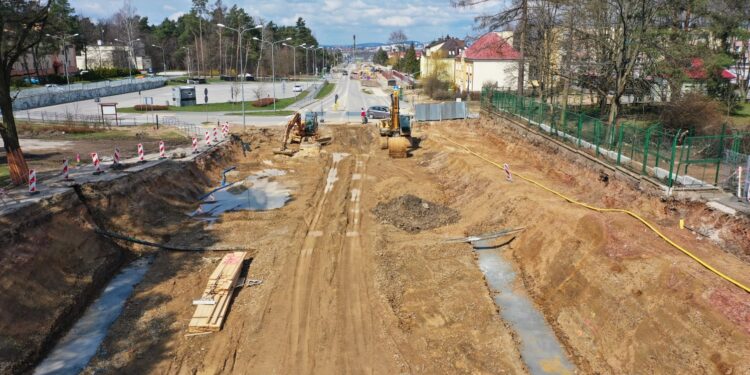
117 156
95 160
32 182
162 150
78 159
508 175
216 135
208 139
140 152
65 174
195 145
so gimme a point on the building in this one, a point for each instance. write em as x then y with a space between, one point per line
491 59
112 56
53 63
440 58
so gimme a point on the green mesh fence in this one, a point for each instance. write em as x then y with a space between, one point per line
672 156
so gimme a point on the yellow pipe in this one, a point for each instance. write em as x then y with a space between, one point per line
599 209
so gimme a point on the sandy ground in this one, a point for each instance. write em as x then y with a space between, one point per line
343 292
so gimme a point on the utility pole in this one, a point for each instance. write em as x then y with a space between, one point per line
273 66
354 48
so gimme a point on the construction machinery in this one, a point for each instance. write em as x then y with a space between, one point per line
395 133
299 132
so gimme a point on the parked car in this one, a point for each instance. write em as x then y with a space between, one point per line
297 88
32 80
378 112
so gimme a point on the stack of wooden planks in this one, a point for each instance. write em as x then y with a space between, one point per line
213 306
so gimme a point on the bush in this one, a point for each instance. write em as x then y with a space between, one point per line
99 74
431 84
442 94
263 102
151 107
693 111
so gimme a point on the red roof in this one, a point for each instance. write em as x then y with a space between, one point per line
727 74
492 46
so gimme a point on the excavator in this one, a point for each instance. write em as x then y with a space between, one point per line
298 131
395 133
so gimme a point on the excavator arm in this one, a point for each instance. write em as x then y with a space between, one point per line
296 121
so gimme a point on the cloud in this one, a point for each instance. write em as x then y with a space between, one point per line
174 16
395 21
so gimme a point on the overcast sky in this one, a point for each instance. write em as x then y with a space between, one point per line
332 21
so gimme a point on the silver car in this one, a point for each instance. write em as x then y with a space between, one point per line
378 112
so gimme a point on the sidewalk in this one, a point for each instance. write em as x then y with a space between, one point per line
50 184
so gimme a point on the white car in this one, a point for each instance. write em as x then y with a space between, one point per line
297 88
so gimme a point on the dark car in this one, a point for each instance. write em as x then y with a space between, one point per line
378 112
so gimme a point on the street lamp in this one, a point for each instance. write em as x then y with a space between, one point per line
163 56
63 39
273 66
241 31
294 48
131 54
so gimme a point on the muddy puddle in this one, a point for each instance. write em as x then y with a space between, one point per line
540 349
257 192
73 352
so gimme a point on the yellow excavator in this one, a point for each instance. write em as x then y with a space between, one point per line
298 131
395 133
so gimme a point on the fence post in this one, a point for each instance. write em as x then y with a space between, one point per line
658 148
597 134
619 144
721 151
646 143
580 126
671 159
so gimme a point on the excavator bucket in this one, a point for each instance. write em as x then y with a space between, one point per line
398 147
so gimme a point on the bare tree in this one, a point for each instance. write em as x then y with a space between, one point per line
398 38
22 26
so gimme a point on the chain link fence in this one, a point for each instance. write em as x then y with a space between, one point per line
675 157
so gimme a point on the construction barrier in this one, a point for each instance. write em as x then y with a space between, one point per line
140 153
117 156
162 150
32 182
65 173
195 145
95 160
208 139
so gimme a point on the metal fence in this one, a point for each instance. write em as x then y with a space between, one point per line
440 111
84 86
675 157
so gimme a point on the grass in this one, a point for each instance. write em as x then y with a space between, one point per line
225 107
326 90
262 113
110 135
4 175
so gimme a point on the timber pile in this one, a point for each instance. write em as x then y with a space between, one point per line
212 307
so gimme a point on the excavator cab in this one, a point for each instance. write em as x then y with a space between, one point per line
311 123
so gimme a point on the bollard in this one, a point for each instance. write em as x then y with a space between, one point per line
32 182
65 172
508 175
195 145
162 150
208 139
117 157
95 159
216 136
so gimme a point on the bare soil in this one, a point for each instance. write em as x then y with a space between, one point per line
343 292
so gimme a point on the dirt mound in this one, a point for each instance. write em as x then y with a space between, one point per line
414 214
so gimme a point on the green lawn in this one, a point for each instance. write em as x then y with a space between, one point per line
326 90
741 117
225 107
262 113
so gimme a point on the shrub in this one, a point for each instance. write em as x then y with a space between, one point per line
431 84
263 102
693 111
151 107
442 94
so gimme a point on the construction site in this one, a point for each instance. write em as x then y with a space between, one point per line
387 248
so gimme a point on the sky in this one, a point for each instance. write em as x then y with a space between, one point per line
332 21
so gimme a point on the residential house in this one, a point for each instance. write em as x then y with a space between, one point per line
53 63
113 56
491 59
440 58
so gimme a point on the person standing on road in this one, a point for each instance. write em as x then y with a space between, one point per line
364 116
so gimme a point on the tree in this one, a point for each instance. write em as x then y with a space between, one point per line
22 23
381 57
398 38
410 64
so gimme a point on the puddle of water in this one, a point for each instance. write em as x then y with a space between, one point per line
73 352
255 193
540 349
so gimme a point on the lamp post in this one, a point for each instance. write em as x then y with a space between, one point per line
307 61
188 62
131 54
63 39
294 48
273 65
163 56
241 31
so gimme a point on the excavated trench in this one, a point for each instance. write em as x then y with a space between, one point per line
54 266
